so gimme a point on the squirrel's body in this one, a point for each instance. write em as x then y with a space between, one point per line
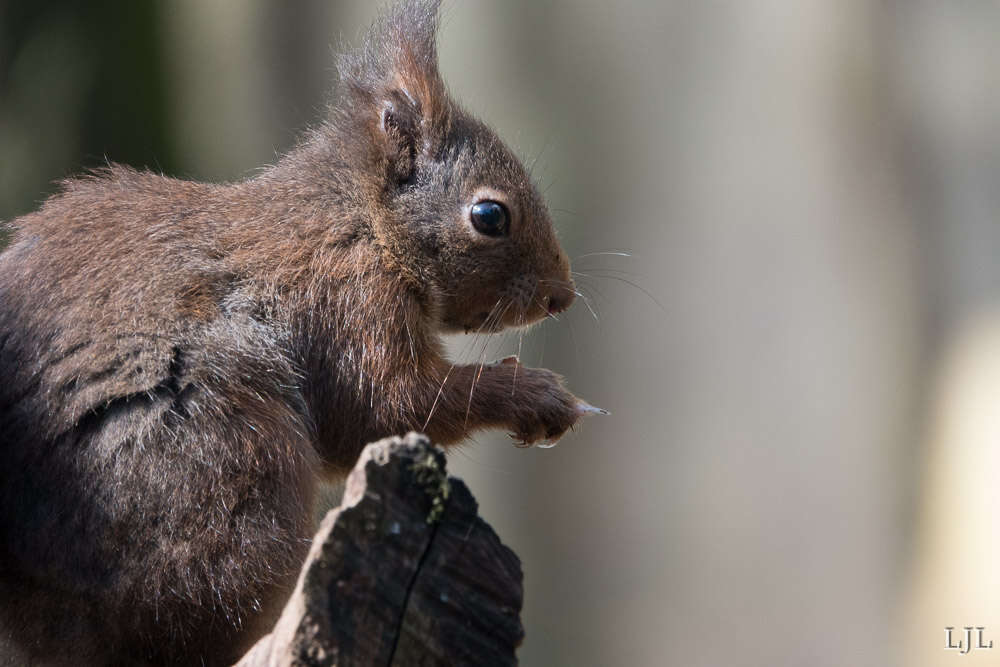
181 362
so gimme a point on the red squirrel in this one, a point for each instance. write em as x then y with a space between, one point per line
182 362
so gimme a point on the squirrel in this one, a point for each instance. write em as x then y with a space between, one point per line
182 363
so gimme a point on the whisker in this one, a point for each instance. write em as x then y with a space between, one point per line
576 345
586 302
482 358
520 340
547 313
614 253
545 144
440 390
438 396
633 284
568 285
483 330
592 288
566 211
545 338
607 269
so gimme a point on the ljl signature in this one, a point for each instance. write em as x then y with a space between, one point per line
965 645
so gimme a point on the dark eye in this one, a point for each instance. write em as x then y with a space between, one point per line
490 218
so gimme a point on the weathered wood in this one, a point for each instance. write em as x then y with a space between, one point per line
404 572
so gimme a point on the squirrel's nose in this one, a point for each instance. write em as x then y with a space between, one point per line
559 299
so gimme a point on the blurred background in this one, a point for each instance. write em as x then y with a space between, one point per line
786 221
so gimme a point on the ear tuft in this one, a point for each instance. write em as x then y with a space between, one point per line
390 89
399 57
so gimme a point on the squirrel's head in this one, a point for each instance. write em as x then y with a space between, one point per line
456 211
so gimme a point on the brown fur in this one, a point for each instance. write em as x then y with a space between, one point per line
181 362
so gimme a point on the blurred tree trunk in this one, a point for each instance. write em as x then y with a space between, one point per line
740 152
944 59
80 84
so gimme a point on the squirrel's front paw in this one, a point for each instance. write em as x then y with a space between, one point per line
544 408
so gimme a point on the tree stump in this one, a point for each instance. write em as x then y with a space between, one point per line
403 572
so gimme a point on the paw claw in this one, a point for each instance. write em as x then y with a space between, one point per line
519 441
584 408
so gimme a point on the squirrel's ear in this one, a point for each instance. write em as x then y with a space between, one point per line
392 85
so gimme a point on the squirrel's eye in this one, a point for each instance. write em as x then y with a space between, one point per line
490 218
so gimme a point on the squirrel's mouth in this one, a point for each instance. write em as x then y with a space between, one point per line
510 317
485 322
517 309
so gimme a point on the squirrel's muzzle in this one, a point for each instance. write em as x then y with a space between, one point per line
559 299
556 295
